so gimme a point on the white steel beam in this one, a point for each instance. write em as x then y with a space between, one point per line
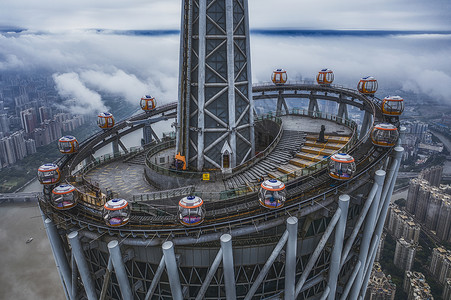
228 266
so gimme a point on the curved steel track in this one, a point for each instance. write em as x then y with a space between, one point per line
312 192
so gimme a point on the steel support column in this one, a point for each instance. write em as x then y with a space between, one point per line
106 279
74 291
290 257
334 268
156 279
326 294
231 80
59 256
351 280
115 145
343 110
228 266
369 201
317 251
83 268
367 234
281 104
210 275
171 268
385 200
267 266
119 269
366 124
312 105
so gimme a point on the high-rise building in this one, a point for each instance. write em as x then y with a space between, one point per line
430 206
404 254
444 222
45 113
30 145
433 175
18 140
380 287
29 120
7 151
400 225
380 248
4 123
447 290
412 195
41 136
441 264
416 287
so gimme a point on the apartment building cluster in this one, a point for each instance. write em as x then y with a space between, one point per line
430 203
380 286
416 287
29 117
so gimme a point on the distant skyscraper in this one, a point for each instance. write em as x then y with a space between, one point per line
41 136
29 120
30 145
4 123
7 152
404 254
440 265
444 222
447 290
45 113
433 175
18 140
380 247
402 226
431 206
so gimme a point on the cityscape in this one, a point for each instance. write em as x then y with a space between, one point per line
160 155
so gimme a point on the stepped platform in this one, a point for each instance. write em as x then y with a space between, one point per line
297 149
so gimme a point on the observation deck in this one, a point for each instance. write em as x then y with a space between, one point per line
293 156
289 149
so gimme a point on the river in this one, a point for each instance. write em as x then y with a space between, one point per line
28 271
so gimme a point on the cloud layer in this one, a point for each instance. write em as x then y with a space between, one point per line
87 63
165 14
78 97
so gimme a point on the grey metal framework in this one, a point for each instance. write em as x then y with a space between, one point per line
310 258
215 107
320 244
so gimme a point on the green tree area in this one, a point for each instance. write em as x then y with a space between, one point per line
421 264
14 177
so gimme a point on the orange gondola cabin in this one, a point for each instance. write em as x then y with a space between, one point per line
272 194
191 211
116 212
64 197
105 120
384 135
49 174
325 77
279 77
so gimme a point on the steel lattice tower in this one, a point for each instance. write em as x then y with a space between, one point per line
215 115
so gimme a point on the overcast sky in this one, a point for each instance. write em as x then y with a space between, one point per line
86 63
56 15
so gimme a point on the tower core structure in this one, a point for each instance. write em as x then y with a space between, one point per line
215 124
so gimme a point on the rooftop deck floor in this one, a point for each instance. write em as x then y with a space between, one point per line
126 179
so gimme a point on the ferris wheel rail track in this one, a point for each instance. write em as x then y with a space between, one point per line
90 219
